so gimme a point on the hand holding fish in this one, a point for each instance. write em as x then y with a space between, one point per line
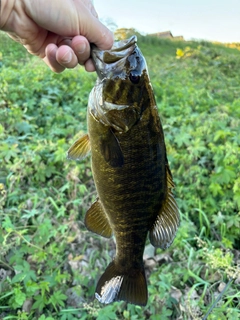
58 31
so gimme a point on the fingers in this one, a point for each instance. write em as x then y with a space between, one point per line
65 50
68 54
61 32
66 57
60 58
89 66
51 60
81 47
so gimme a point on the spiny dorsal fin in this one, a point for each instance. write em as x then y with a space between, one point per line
111 150
128 285
96 220
165 227
80 149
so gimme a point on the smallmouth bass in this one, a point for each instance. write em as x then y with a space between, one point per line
130 170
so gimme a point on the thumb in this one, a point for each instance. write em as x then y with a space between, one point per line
91 28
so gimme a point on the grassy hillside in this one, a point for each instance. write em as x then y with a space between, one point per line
49 262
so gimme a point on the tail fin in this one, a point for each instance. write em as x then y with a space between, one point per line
115 285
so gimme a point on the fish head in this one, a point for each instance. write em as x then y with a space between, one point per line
122 85
119 61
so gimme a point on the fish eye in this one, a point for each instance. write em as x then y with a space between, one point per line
134 78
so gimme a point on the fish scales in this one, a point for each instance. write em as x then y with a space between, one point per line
139 174
130 170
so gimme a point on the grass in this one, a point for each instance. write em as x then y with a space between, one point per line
49 262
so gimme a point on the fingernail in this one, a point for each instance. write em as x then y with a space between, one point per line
68 57
81 48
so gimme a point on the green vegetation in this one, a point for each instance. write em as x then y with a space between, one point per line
49 262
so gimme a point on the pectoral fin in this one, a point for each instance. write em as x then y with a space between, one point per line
165 227
111 149
80 149
96 220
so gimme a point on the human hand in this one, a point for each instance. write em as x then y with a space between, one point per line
58 31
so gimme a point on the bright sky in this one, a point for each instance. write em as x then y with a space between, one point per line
216 20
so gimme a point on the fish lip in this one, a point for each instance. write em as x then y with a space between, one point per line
118 46
105 59
124 44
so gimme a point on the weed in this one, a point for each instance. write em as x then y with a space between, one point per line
49 263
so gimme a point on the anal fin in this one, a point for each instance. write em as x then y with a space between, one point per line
80 149
97 221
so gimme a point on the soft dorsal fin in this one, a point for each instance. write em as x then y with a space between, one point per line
165 227
80 149
96 220
111 150
170 182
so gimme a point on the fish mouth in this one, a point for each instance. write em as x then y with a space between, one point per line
123 45
104 61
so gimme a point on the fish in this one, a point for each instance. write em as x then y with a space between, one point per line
130 169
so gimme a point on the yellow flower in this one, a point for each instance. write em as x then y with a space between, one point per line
179 53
